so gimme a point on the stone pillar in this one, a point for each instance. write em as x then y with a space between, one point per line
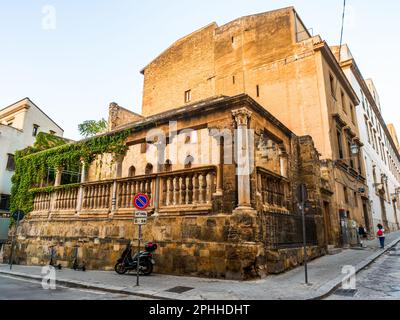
58 177
117 175
220 164
53 196
161 145
242 117
80 191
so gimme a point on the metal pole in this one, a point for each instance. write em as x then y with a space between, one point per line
138 256
13 243
305 242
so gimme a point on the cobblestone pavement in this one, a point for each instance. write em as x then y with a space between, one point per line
379 281
12 288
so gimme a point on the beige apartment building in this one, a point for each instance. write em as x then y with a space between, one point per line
274 59
393 134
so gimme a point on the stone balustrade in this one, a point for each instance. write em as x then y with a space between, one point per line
127 188
194 187
66 199
41 201
97 195
189 187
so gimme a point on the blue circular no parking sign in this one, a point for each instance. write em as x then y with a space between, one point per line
141 201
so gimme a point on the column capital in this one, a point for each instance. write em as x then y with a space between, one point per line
242 116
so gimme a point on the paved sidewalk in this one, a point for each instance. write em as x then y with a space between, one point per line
324 274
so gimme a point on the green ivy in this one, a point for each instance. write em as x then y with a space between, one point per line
31 164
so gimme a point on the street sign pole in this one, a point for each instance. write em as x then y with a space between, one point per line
141 202
138 256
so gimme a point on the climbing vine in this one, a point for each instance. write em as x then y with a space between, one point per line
32 164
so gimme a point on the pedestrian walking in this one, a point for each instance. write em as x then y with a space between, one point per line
381 235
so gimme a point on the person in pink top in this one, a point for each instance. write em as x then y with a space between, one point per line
381 236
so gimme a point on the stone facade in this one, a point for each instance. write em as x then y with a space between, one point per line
272 58
202 216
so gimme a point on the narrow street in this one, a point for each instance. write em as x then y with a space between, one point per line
13 288
379 281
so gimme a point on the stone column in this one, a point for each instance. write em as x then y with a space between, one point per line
53 196
80 191
242 117
220 164
161 145
117 175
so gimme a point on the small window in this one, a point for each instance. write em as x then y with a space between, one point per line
132 171
233 39
353 117
331 81
346 195
35 130
4 202
168 166
10 163
149 169
189 162
188 96
258 90
356 199
52 132
233 79
343 100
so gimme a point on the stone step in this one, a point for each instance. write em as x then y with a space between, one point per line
332 251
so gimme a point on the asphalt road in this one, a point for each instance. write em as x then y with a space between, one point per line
379 281
14 288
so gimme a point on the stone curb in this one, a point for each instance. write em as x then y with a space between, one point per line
331 286
322 292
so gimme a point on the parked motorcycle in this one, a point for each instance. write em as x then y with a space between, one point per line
128 263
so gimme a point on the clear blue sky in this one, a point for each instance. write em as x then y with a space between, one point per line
95 53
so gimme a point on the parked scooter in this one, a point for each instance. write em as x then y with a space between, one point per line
146 262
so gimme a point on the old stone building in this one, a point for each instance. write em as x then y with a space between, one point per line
273 58
208 217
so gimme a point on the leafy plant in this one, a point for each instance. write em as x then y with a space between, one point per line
32 163
90 128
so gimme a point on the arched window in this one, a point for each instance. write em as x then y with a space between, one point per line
132 171
168 166
189 162
149 169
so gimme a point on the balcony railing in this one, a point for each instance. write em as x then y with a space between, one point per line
188 190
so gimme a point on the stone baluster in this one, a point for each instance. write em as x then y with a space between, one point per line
196 192
209 187
201 188
182 182
175 190
187 194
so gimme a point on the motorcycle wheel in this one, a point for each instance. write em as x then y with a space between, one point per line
147 268
120 268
